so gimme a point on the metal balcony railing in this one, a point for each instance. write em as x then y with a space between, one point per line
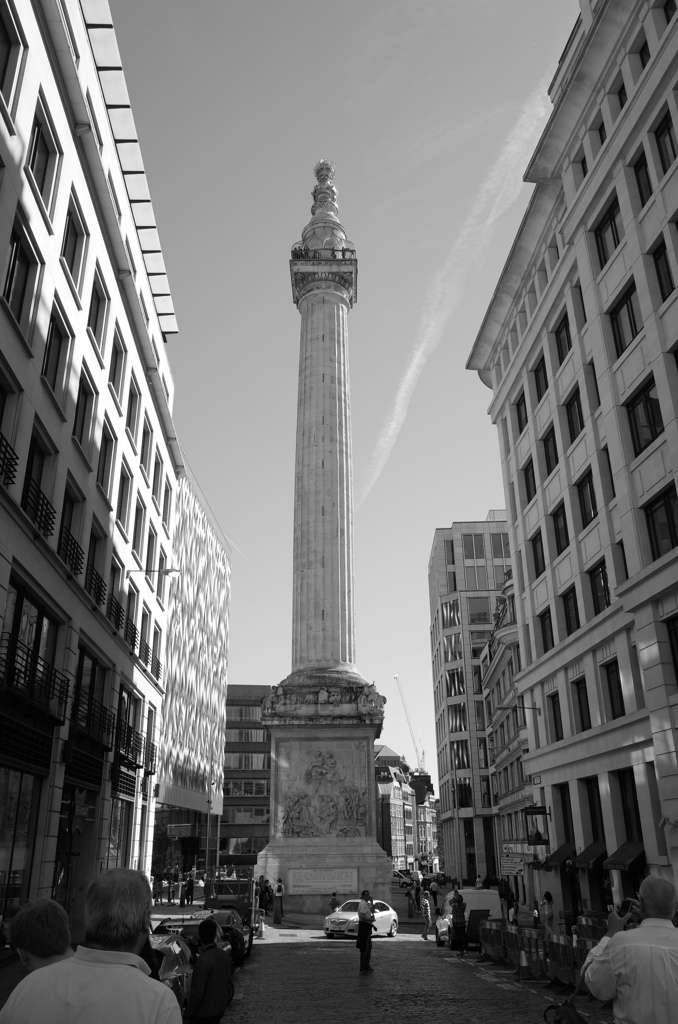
37 507
131 634
70 552
156 667
304 253
92 717
145 653
115 613
9 461
151 759
130 745
95 585
24 673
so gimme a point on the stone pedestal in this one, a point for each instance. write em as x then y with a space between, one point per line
323 806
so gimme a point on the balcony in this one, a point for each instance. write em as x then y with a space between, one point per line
151 759
130 745
156 668
145 653
9 460
92 717
30 677
115 613
304 253
131 634
38 509
95 585
70 552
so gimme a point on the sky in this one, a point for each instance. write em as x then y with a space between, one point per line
429 110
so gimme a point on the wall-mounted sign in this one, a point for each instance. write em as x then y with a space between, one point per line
536 780
512 865
340 880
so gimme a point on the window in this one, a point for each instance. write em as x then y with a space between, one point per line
454 682
672 630
669 9
666 142
629 802
530 483
575 418
644 53
621 96
167 506
546 630
581 703
456 719
593 378
538 555
56 356
452 647
643 179
550 451
602 132
106 450
449 552
451 582
614 689
162 565
146 446
117 366
600 590
473 545
664 276
476 577
10 51
521 412
42 157
84 412
124 490
571 611
541 381
478 610
563 339
96 319
500 546
22 274
662 522
626 320
157 477
138 532
480 720
587 499
609 233
73 245
583 163
451 615
133 408
556 719
645 417
150 554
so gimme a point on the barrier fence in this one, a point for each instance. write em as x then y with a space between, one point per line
536 956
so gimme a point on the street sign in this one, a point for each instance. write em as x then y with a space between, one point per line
512 865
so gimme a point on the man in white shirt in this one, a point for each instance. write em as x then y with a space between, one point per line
365 926
97 984
639 968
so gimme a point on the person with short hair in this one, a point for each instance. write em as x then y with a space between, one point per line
459 921
426 911
365 926
212 983
96 983
41 934
638 968
278 902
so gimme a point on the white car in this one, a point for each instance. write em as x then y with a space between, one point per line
344 920
484 900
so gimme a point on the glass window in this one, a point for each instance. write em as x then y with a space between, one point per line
669 9
456 721
571 611
629 802
19 796
575 418
643 179
478 609
119 835
550 451
476 577
560 528
449 552
581 698
454 682
546 630
626 320
452 647
556 717
672 631
664 276
662 522
644 53
117 365
133 408
538 555
473 545
621 96
17 290
587 499
600 590
500 546
450 614
530 482
609 233
614 689
56 352
666 142
563 339
521 412
540 379
645 417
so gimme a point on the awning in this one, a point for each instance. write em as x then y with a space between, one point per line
560 855
625 857
592 856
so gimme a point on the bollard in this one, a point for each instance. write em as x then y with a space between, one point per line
523 972
261 934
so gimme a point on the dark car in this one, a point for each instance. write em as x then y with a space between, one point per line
239 933
173 962
187 930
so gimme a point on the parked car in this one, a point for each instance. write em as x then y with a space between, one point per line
344 920
174 963
187 929
403 878
238 932
475 900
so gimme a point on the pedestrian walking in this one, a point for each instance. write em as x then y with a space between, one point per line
41 934
278 902
426 912
638 968
459 921
105 981
411 902
433 889
479 883
365 926
334 902
417 894
190 885
511 912
547 904
212 983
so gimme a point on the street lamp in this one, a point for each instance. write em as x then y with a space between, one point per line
521 707
172 574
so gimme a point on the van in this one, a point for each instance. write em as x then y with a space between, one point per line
475 899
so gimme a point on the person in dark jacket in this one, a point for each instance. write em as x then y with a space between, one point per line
212 984
189 889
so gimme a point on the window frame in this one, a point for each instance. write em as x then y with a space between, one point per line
662 267
124 495
571 611
85 411
558 522
613 686
600 594
548 640
641 170
550 444
116 366
575 415
585 486
521 412
96 329
133 414
640 404
664 500
43 186
626 305
74 273
667 146
562 331
55 375
538 554
529 480
23 313
541 380
609 233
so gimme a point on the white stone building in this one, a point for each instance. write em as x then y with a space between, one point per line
579 348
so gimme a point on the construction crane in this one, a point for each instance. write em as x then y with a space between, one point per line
419 753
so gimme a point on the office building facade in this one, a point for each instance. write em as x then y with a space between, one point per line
246 811
579 349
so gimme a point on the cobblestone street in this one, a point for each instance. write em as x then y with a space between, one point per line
300 975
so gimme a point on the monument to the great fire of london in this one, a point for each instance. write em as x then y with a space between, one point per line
324 716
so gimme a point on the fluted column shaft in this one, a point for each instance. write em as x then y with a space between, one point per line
322 623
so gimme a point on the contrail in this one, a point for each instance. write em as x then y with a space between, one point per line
499 190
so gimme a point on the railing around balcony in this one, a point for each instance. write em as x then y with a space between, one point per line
130 744
151 758
304 253
131 634
92 717
39 510
156 667
24 673
9 461
95 585
115 613
70 552
145 653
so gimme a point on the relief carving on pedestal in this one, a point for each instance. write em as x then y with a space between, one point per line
325 797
